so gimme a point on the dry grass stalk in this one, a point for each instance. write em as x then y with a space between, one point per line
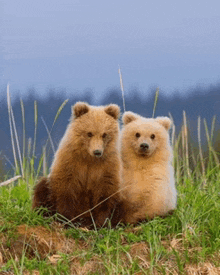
209 140
10 126
185 136
193 156
56 117
49 135
15 135
29 148
173 131
54 258
10 180
92 266
155 101
90 210
23 123
47 241
202 268
183 140
17 142
200 147
176 159
122 87
213 127
44 161
35 127
1 259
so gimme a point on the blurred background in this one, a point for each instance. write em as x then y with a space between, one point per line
55 50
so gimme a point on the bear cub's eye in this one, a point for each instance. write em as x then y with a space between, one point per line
104 135
152 136
89 134
138 135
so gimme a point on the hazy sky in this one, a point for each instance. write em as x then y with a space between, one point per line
78 44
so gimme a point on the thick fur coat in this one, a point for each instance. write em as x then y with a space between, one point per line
148 175
86 168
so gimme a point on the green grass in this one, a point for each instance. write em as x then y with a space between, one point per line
189 237
187 242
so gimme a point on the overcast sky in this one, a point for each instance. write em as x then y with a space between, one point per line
78 44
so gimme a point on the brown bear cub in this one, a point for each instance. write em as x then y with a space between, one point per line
86 169
148 174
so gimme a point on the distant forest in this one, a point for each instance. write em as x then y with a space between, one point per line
205 103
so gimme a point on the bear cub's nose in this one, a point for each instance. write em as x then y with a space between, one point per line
144 146
97 153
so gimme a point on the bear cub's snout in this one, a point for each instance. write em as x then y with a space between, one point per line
97 153
144 147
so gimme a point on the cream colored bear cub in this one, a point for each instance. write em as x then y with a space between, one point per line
148 174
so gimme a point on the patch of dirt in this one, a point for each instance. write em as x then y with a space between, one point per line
94 265
38 242
138 252
133 229
1 259
2 241
41 243
173 243
202 269
33 272
141 252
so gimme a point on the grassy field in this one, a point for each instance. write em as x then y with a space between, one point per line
187 242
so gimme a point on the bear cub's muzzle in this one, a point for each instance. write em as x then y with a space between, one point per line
144 147
97 153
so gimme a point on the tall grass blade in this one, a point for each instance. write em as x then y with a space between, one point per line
183 141
11 130
212 134
185 136
56 117
39 167
49 135
176 158
17 142
213 127
155 102
200 146
193 156
35 127
8 160
173 131
210 146
29 148
44 161
59 111
23 123
207 133
122 87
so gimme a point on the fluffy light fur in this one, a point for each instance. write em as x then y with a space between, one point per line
148 174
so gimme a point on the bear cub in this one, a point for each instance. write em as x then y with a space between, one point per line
86 169
148 175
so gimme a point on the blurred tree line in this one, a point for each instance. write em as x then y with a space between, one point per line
199 102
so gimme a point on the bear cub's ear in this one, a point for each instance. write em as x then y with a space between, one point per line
164 121
79 109
113 110
129 117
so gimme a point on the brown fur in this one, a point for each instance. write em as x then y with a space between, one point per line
41 196
78 179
